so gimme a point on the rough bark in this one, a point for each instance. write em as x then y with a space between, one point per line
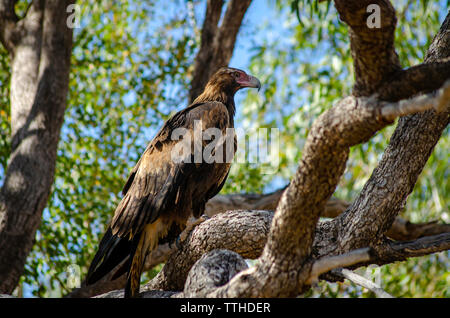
421 78
40 48
8 19
384 195
243 232
217 41
217 267
373 52
212 270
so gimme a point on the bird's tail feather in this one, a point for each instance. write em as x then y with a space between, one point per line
135 265
142 247
113 250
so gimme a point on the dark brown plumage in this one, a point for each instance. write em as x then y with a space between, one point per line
161 193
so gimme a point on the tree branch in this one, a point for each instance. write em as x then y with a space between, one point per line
400 230
212 270
390 252
215 234
403 230
361 281
422 78
326 264
217 42
385 193
228 202
440 46
373 52
243 232
229 29
8 20
439 101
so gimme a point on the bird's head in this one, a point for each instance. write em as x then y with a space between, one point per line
232 79
228 81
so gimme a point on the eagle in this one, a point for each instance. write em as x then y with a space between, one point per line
169 184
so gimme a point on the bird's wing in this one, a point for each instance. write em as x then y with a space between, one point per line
156 182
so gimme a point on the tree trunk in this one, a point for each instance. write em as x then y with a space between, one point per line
40 47
217 41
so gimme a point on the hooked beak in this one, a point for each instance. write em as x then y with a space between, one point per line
250 81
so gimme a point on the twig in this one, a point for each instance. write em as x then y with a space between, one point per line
361 281
326 264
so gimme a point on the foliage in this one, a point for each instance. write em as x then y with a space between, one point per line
131 67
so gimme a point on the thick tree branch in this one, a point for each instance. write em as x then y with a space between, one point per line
439 101
440 46
403 230
372 47
243 232
212 270
390 252
400 230
385 193
229 29
241 222
147 294
422 78
180 262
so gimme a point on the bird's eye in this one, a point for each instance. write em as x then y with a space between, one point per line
236 74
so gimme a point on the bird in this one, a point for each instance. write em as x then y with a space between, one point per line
162 191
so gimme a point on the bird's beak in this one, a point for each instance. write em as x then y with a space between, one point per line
250 81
